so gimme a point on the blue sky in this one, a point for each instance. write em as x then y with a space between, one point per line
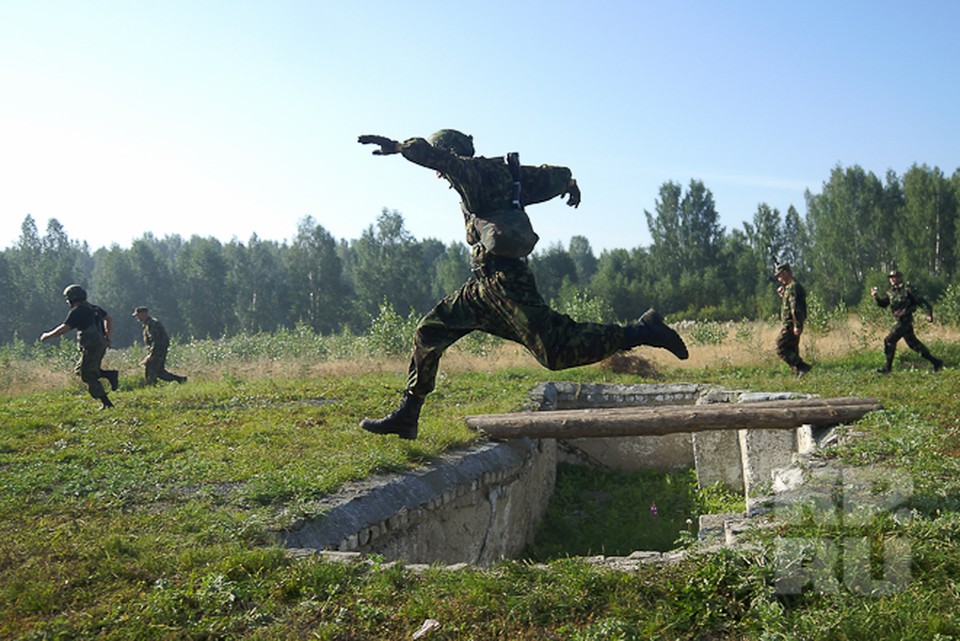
229 118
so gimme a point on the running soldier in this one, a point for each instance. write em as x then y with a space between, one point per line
157 340
93 325
903 300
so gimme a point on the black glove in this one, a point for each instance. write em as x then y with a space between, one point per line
574 191
387 145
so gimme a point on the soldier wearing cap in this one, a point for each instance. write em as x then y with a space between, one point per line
501 296
157 340
793 314
903 300
93 325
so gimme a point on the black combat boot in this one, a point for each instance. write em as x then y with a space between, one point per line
802 368
651 330
936 362
105 402
402 421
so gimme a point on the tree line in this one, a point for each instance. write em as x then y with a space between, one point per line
855 230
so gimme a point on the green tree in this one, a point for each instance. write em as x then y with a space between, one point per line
257 283
39 269
116 283
582 255
153 267
388 266
926 232
552 268
450 270
846 233
203 272
318 293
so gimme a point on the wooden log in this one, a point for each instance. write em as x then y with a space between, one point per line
671 419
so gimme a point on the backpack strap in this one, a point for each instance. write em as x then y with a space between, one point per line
513 164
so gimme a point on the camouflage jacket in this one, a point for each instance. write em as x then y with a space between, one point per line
154 334
793 305
903 302
485 184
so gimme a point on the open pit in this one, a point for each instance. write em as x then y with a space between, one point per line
482 504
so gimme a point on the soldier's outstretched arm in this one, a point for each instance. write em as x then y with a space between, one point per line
388 146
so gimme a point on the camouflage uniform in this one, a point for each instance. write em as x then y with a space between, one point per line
501 296
157 340
903 300
793 314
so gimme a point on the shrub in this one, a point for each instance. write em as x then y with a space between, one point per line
708 333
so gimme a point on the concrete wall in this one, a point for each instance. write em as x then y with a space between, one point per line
474 506
629 453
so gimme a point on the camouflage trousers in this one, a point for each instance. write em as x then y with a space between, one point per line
93 348
155 367
903 329
788 346
506 303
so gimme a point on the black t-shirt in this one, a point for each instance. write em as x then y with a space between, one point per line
81 317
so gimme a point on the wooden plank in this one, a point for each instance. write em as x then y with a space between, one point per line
671 419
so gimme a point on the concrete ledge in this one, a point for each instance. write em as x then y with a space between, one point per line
473 506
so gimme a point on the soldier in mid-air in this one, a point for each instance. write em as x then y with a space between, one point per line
903 300
501 296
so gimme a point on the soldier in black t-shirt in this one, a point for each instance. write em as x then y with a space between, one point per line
93 326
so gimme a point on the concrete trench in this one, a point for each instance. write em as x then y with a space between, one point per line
481 504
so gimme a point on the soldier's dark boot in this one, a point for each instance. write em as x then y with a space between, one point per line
112 376
802 368
651 330
181 379
936 362
403 421
888 365
105 402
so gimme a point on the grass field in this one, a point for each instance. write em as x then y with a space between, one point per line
154 520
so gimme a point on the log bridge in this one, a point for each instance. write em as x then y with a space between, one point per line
662 420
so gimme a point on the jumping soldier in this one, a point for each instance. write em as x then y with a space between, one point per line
501 297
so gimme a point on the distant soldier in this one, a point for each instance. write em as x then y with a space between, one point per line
903 300
157 340
501 296
93 325
793 314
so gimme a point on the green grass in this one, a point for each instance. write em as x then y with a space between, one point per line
154 521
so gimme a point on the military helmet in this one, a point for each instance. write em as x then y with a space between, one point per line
894 273
74 293
453 140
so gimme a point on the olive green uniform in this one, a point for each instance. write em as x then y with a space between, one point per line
501 296
155 337
93 347
903 300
